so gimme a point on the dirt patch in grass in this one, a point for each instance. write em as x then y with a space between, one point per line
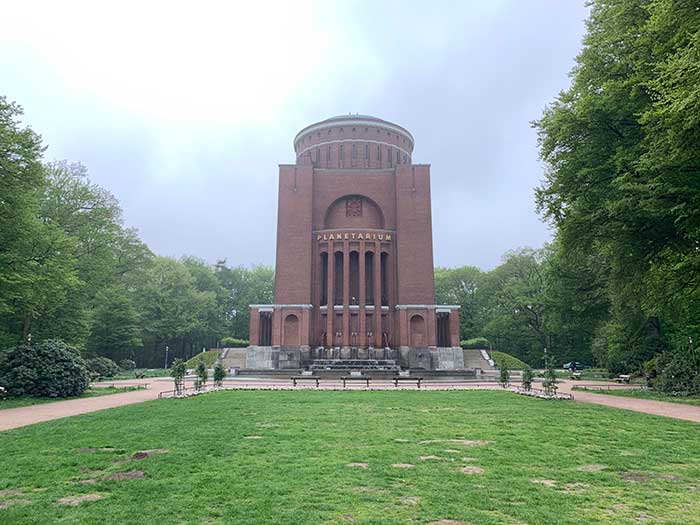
452 451
9 493
402 465
545 482
401 440
575 488
591 468
357 465
120 476
463 442
252 437
141 454
410 500
92 450
8 503
448 522
434 458
471 469
669 477
77 500
636 477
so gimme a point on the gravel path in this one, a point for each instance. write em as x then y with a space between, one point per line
23 416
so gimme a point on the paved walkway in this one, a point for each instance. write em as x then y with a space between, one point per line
23 416
648 406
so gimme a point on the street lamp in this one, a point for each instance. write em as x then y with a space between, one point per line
166 357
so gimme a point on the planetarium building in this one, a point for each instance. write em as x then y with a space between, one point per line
354 279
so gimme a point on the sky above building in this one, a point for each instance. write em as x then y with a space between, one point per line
184 110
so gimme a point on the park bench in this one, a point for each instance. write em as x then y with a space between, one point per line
296 379
417 380
140 375
623 378
576 375
366 379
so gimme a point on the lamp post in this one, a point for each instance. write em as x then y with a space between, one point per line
166 357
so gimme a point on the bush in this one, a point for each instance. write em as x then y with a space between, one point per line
477 342
504 378
127 364
233 342
508 361
47 369
103 366
219 374
678 375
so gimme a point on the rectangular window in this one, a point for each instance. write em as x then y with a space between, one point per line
398 159
390 157
379 155
367 151
354 152
318 156
328 155
342 152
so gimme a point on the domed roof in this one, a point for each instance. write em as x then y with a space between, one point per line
357 120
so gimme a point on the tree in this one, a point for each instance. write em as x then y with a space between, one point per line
462 286
504 377
202 375
177 372
622 181
219 374
528 377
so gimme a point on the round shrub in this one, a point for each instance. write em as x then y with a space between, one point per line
127 364
477 342
103 366
233 342
47 369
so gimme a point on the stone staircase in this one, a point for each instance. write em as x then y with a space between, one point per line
361 365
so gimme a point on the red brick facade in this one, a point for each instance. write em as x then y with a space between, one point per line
354 266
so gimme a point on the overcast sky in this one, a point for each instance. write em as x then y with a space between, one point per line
184 110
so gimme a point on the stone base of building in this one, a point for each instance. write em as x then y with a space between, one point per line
406 358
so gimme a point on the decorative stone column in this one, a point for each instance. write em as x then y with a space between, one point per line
346 294
330 332
362 342
377 294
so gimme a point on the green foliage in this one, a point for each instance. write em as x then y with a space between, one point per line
528 377
504 377
234 342
46 369
127 364
209 357
622 186
678 373
504 360
219 374
476 342
550 380
102 366
202 375
177 372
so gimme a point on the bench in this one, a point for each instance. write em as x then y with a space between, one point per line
416 380
140 375
623 378
576 375
366 379
295 379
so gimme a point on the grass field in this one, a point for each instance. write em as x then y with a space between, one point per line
648 394
305 457
25 401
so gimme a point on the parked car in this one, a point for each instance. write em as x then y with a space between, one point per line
569 366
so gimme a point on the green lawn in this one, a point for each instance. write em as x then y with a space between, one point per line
648 394
263 457
25 401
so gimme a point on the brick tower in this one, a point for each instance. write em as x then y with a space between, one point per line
354 268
